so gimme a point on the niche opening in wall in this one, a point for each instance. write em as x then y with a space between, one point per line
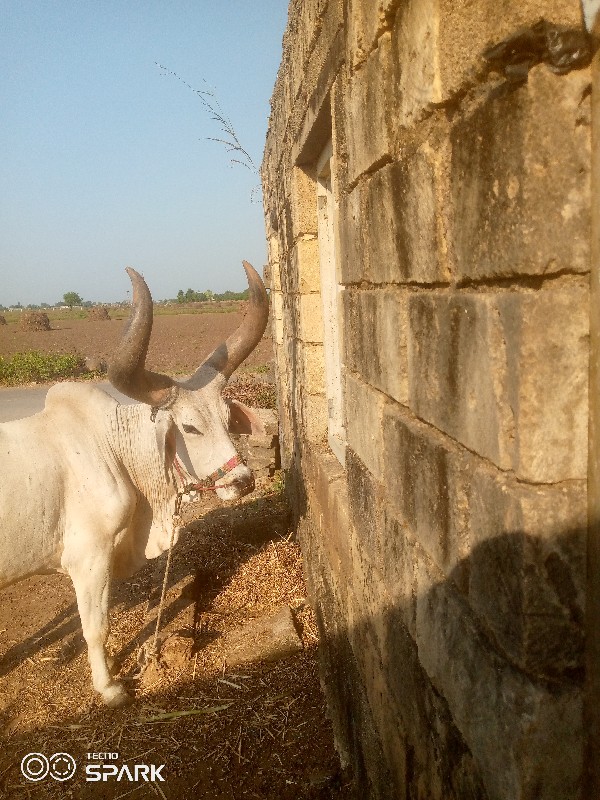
331 298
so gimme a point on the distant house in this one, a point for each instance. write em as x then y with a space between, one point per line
428 219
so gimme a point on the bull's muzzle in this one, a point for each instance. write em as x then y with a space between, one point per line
238 483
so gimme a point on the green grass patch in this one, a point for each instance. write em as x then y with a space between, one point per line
33 366
258 369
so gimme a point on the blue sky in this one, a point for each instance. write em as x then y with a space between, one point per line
105 160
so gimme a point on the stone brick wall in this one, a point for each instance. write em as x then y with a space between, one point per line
445 557
261 452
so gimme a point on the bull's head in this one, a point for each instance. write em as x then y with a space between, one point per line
191 416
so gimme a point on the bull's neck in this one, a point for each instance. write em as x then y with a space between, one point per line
137 449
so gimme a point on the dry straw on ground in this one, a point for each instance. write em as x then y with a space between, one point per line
34 321
258 732
98 313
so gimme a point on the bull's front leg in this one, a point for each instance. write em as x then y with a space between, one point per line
89 568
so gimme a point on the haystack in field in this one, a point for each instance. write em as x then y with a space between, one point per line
35 321
98 313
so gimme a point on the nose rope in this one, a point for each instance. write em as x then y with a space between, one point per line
207 484
150 651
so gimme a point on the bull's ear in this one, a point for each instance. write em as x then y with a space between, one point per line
244 420
166 440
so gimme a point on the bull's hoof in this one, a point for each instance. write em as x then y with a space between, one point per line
116 696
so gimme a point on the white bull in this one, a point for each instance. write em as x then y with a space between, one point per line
88 486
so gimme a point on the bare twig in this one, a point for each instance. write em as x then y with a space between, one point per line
211 103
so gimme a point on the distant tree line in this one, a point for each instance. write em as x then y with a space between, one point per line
190 296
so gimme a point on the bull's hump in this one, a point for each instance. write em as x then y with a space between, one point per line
79 397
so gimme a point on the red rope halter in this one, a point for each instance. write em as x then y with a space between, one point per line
207 484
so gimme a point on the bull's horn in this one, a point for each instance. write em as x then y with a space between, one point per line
127 372
229 355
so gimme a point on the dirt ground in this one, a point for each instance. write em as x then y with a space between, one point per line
259 731
179 342
254 732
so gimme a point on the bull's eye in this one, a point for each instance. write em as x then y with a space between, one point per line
191 429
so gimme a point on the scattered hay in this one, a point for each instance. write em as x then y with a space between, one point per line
260 731
98 313
35 321
257 394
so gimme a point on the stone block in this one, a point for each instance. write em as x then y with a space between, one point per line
313 415
303 203
395 222
370 105
265 639
330 506
406 207
439 762
351 229
286 235
397 558
527 571
375 336
368 601
339 134
506 375
323 469
261 463
339 531
289 314
312 368
367 20
520 180
277 316
268 417
415 42
546 336
310 318
457 372
260 442
365 423
314 28
504 717
326 55
274 280
365 503
306 271
267 276
427 479
387 721
438 45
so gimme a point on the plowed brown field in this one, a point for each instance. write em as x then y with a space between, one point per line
179 341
